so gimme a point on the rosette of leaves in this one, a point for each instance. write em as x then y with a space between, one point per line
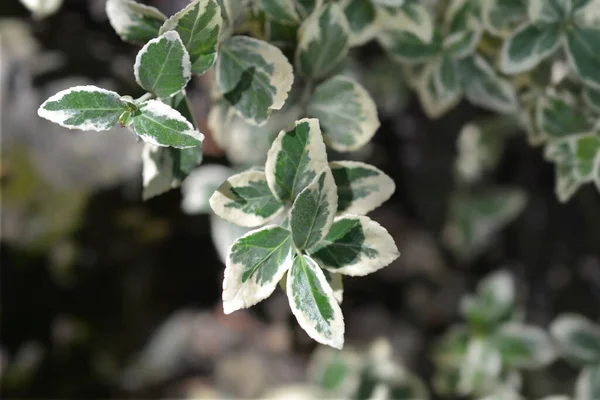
369 374
323 232
572 25
579 342
445 67
493 346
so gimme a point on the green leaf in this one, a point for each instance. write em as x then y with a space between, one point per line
412 18
493 303
524 346
435 99
164 168
464 29
356 246
577 337
134 22
587 386
88 108
547 11
528 46
254 77
201 183
361 187
408 48
323 42
335 371
306 7
295 158
500 17
163 66
245 199
362 17
256 263
282 11
447 76
484 88
161 125
558 116
198 26
346 112
313 210
313 303
578 152
583 47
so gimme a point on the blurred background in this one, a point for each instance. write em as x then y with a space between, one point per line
106 296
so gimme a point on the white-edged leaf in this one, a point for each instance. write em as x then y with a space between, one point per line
256 263
88 108
412 18
246 200
163 65
528 46
313 303
586 13
313 211
295 158
42 8
282 11
578 152
435 100
558 116
161 125
524 346
254 77
361 187
484 88
134 22
547 11
164 168
356 246
592 99
362 19
481 367
577 337
463 29
587 386
582 45
407 48
200 185
323 42
500 17
346 112
198 26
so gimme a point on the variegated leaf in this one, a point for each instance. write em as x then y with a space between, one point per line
134 22
528 46
559 116
587 386
464 30
295 158
435 100
361 187
88 108
582 46
313 210
362 19
346 112
412 18
484 88
407 48
548 11
577 152
198 26
493 304
577 337
592 99
524 346
323 42
254 77
200 185
356 246
500 17
245 199
282 11
256 263
313 303
161 125
163 66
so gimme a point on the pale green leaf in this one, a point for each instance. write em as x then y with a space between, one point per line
198 26
245 199
361 187
134 22
254 77
524 346
313 211
200 185
256 263
362 19
582 48
587 386
346 112
577 337
163 66
161 125
295 158
323 42
356 246
313 303
484 88
282 11
528 46
88 108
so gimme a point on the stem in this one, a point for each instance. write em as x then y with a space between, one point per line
144 97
